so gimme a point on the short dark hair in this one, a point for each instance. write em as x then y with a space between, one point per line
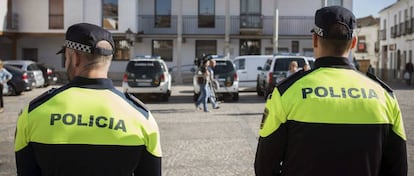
337 46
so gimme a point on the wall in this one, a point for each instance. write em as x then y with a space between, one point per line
3 15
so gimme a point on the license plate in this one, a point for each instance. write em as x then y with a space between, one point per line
143 84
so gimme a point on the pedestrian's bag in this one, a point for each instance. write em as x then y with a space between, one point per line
406 75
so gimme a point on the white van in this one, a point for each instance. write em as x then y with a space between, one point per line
247 71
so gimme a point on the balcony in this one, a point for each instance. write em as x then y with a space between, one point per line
256 25
408 27
251 24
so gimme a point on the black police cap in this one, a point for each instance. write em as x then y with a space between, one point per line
84 37
326 17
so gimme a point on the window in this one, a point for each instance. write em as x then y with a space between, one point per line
55 14
249 47
206 13
122 52
30 54
163 48
250 13
162 13
240 64
295 46
334 2
110 14
361 47
205 47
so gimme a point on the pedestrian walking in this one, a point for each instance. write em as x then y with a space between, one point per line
332 120
212 84
87 127
203 80
409 72
4 77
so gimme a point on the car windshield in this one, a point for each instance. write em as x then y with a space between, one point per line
141 67
282 64
223 67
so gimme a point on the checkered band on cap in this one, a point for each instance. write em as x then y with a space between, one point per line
78 46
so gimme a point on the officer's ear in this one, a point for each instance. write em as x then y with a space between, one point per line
354 42
315 40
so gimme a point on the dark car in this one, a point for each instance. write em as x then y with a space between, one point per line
48 74
17 84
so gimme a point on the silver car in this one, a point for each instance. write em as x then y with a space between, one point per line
30 67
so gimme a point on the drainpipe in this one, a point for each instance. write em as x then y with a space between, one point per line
325 3
179 40
227 30
276 32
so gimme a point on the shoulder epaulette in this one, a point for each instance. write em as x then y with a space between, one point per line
380 82
136 101
42 98
283 85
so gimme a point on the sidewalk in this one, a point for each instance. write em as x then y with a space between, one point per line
398 84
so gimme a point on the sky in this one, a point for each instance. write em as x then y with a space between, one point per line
363 8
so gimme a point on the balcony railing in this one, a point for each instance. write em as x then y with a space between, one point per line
407 27
251 21
288 25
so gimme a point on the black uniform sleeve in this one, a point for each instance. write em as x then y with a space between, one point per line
394 160
26 163
149 165
270 153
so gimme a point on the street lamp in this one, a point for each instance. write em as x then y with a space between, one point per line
130 36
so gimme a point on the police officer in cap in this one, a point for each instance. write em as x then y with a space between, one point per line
87 127
332 120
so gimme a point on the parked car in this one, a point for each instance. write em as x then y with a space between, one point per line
147 75
17 84
30 67
274 71
247 69
27 77
49 74
311 62
226 75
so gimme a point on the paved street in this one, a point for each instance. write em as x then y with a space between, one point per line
195 143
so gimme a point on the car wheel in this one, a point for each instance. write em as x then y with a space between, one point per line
12 90
258 90
235 96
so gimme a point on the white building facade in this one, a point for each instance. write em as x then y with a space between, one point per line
179 31
367 50
396 38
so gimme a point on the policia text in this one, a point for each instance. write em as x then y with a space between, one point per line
98 121
342 93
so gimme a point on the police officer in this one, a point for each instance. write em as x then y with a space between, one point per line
87 127
332 120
